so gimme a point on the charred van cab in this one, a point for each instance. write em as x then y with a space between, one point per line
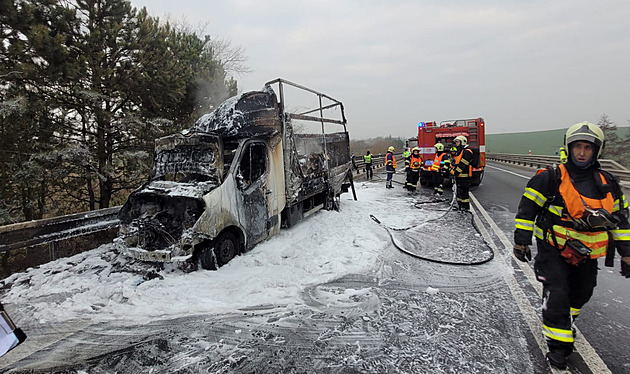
236 177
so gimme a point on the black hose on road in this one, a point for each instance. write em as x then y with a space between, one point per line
390 229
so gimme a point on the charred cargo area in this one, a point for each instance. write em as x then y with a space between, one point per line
324 161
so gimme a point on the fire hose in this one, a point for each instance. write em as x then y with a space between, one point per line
390 231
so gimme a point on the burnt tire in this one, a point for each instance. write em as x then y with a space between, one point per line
224 248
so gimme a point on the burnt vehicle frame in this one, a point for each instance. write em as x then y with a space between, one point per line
236 177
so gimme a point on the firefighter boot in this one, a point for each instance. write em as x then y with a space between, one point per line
557 359
440 191
558 353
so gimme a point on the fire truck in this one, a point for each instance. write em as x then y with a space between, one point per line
430 133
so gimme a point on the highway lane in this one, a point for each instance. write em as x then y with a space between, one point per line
409 316
605 320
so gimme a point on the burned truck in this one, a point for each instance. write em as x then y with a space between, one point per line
237 176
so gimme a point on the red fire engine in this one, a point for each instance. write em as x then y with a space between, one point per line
430 133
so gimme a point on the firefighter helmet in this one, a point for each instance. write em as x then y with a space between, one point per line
453 149
439 147
586 132
390 149
415 149
462 139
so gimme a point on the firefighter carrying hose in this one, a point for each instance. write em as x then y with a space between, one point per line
413 174
390 166
462 172
573 209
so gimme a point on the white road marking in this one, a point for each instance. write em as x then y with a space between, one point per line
509 172
591 358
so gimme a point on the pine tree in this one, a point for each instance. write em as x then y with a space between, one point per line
87 85
613 147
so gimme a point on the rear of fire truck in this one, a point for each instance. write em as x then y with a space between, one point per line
430 133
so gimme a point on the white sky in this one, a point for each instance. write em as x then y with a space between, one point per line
522 65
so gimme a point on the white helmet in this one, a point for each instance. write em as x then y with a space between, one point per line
462 139
586 132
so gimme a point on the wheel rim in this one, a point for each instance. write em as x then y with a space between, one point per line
226 250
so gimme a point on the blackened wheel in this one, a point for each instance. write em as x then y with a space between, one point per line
219 252
226 247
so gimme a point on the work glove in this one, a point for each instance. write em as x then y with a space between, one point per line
522 252
625 266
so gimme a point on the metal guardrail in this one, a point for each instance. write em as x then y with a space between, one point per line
543 161
30 233
378 162
32 243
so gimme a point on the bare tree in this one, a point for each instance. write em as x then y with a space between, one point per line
232 58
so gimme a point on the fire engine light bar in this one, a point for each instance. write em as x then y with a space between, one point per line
420 124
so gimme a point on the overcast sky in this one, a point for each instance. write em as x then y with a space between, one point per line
522 65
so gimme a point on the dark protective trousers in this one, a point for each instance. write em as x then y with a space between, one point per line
368 171
565 287
437 178
390 174
463 192
412 179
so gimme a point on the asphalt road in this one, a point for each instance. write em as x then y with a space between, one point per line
605 320
407 315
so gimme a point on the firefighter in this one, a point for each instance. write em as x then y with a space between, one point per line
573 209
368 165
436 168
462 172
390 166
406 155
415 162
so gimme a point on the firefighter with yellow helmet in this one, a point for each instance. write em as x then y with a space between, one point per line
437 168
413 174
390 166
573 210
462 171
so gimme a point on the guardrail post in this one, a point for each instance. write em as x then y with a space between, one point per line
53 250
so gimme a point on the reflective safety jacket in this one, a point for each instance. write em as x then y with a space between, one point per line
551 201
367 159
407 157
462 163
390 162
437 161
415 162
